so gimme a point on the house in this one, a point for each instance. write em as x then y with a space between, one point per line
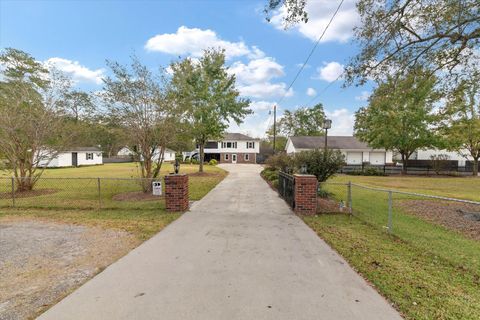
233 148
462 157
74 157
169 155
355 151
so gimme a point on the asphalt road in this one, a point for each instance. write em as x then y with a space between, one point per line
239 253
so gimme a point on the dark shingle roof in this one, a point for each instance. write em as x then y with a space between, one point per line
333 142
236 136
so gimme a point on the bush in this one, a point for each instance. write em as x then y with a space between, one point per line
270 174
275 183
320 164
370 171
212 162
280 161
194 161
322 193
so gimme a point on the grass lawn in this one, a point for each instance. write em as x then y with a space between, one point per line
454 187
77 200
426 270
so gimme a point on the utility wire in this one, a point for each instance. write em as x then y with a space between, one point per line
311 52
324 89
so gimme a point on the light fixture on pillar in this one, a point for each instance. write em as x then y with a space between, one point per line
327 124
176 166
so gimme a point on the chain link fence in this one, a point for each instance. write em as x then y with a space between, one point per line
445 226
83 193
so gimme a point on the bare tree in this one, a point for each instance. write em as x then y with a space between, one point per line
138 99
30 122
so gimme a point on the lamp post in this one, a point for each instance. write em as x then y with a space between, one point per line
327 124
176 166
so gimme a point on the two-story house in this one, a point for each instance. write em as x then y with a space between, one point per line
233 148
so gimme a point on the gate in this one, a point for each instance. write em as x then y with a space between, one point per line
286 188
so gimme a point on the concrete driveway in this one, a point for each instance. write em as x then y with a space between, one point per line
240 253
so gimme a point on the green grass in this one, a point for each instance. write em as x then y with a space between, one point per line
426 270
421 284
77 200
68 192
455 187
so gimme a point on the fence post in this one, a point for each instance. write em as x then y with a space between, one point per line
349 195
99 193
13 192
390 212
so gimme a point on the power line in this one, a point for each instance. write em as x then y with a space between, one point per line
311 51
317 95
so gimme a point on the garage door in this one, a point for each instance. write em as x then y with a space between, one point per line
377 158
354 158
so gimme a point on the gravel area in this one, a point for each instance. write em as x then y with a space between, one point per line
41 262
456 216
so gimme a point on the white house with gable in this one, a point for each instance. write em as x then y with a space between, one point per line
74 157
355 151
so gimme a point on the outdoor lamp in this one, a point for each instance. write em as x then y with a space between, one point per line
327 124
176 166
303 169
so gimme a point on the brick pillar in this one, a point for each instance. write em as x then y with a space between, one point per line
176 192
305 194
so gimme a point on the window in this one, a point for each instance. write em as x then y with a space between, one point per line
229 145
89 156
246 157
250 145
226 156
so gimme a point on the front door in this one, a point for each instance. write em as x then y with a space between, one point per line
74 159
234 158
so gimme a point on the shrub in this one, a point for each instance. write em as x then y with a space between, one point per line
193 161
280 161
213 162
270 174
322 193
321 164
275 183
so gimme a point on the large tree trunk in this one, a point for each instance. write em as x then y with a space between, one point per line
475 167
404 163
202 156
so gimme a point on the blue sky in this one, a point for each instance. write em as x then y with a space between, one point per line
78 36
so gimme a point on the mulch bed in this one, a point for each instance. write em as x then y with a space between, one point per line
452 215
27 194
136 196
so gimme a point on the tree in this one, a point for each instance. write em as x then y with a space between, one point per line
79 105
462 128
302 122
322 164
207 94
30 124
402 34
400 115
139 100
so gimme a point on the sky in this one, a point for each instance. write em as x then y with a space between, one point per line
78 37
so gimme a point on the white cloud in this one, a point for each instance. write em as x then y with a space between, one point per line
364 95
319 14
342 122
265 90
192 41
254 78
261 105
311 92
258 70
254 127
330 71
74 69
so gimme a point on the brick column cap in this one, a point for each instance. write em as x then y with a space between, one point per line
307 176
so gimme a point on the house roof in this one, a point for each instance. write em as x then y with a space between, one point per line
333 142
236 136
93 149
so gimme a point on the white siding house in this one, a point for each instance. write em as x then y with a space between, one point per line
168 156
355 151
81 156
461 157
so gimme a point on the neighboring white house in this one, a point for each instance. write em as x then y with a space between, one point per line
168 156
233 148
355 151
461 157
79 156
